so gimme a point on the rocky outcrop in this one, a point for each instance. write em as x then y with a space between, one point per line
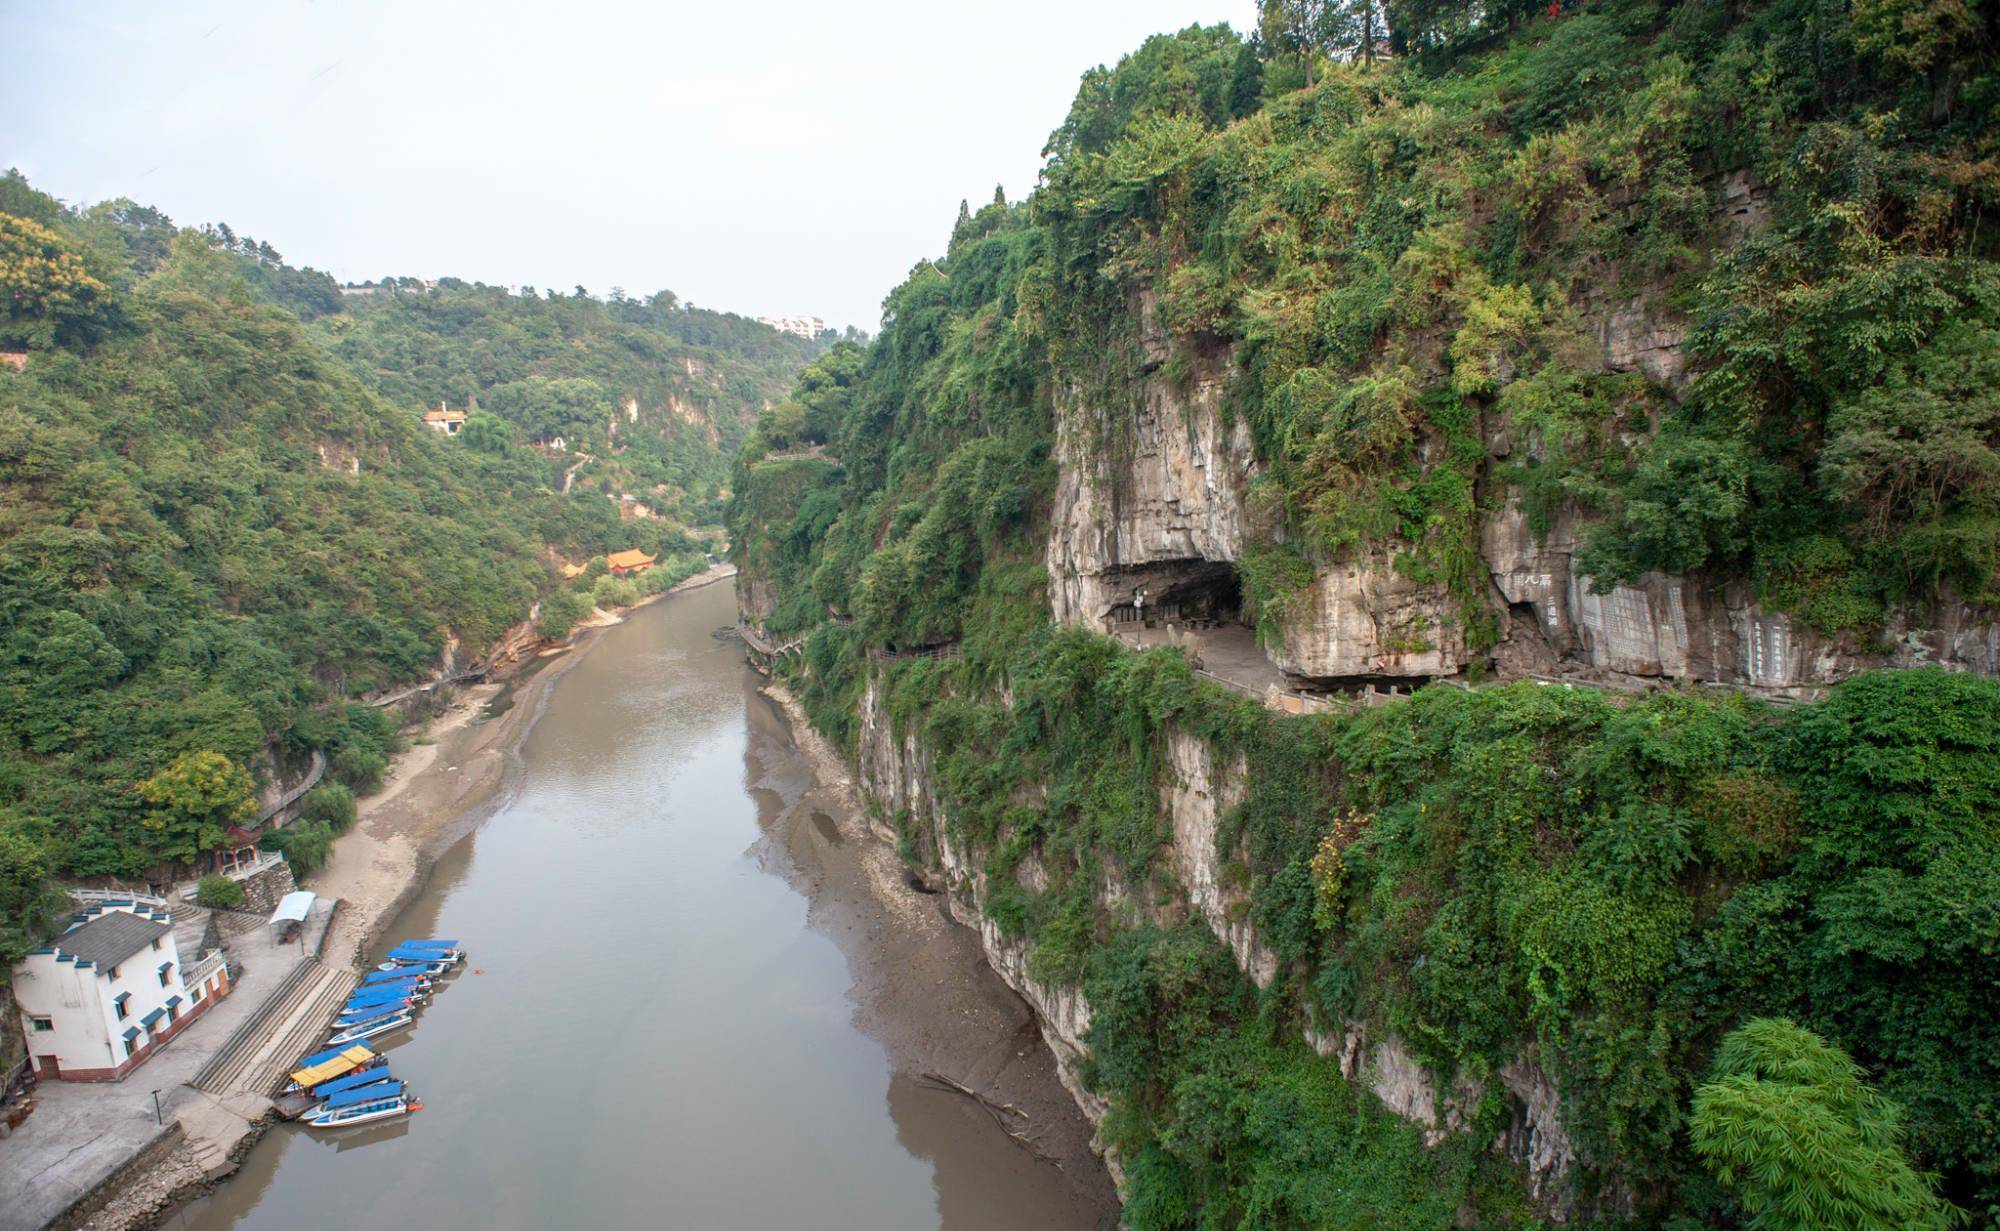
1691 628
1154 499
1143 494
1363 618
1195 800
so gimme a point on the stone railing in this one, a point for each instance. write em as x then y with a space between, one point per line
95 897
197 974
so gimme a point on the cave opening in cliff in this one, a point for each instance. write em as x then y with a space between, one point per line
1196 593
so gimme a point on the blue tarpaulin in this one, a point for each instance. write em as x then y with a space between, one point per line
429 943
422 953
360 1077
365 1094
391 976
371 1012
318 1057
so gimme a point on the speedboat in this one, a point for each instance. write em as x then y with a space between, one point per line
362 1017
395 974
363 1106
372 1027
386 995
410 951
429 969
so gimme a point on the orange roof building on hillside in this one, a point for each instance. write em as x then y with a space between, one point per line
634 561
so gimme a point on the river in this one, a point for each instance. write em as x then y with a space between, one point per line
683 1007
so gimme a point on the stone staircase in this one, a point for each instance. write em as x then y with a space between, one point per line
291 1024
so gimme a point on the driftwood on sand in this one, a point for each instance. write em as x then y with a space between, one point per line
1003 1114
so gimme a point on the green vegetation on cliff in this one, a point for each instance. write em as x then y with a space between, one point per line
212 534
1394 268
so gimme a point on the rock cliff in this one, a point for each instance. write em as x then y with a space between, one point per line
894 776
1157 504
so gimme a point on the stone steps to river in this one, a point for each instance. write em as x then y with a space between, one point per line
305 1033
217 1076
292 1023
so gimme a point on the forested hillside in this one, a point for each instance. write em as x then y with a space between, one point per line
215 537
649 398
1702 293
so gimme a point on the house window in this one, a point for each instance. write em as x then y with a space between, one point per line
42 1024
166 971
173 1014
130 1047
156 944
194 994
111 973
123 1009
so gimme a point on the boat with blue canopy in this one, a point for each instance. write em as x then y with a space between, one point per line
376 1008
361 1110
412 966
385 995
323 1066
425 953
358 1031
401 974
354 1080
348 1021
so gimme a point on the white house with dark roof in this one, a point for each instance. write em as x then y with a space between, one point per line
96 1001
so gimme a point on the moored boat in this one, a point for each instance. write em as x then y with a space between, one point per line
380 1088
369 1029
430 969
377 1072
323 1066
397 974
361 1107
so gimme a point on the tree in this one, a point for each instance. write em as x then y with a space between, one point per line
1786 1122
46 293
28 906
485 433
192 801
1338 29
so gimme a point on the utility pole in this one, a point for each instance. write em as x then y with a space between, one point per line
157 1119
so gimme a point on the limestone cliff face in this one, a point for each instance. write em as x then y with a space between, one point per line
1165 489
1159 502
893 772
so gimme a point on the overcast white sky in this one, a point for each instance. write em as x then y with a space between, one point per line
764 158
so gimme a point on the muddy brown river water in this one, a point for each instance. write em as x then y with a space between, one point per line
684 1007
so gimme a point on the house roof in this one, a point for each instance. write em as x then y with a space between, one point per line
111 937
442 416
628 559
